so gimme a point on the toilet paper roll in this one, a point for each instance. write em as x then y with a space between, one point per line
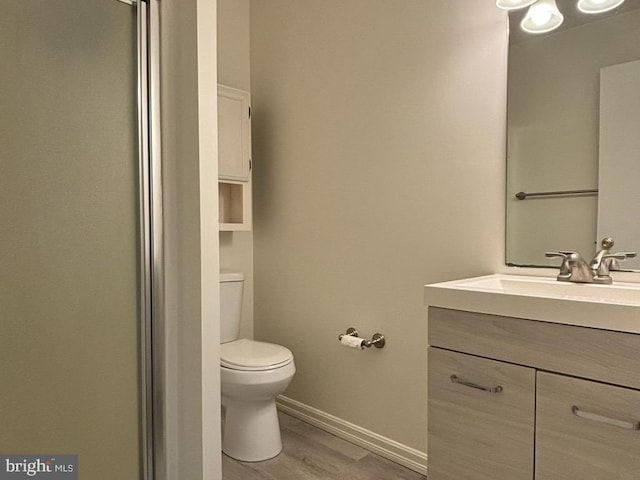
353 342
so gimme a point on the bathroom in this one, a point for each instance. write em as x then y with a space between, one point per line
378 150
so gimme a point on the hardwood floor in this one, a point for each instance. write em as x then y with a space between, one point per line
313 454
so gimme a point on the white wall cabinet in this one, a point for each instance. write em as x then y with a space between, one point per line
504 401
234 158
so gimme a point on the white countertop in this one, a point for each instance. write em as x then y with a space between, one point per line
609 307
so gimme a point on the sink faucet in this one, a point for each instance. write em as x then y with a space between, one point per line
575 269
604 261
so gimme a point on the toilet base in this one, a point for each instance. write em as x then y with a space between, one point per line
251 430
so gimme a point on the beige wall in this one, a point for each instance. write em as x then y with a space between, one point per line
554 91
236 248
233 44
192 308
378 132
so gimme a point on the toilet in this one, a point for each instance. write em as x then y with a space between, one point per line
252 375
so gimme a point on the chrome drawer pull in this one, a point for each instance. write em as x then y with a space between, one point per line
602 419
496 389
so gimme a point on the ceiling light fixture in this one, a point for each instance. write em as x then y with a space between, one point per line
514 4
598 6
542 17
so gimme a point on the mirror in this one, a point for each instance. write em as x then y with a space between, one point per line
573 133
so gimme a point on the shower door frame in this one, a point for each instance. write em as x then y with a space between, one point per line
151 235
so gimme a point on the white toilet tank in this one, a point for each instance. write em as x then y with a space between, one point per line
231 284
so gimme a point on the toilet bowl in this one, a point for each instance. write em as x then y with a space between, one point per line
251 427
252 375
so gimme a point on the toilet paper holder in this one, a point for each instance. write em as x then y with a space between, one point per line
377 340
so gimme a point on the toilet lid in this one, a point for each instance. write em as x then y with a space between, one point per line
245 354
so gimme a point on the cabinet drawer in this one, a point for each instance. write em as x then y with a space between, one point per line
597 441
475 434
610 357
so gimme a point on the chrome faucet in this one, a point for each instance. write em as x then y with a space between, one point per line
605 261
575 269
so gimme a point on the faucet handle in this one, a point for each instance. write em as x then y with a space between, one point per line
565 268
613 264
616 256
561 253
605 266
570 253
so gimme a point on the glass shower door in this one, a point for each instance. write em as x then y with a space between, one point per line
71 308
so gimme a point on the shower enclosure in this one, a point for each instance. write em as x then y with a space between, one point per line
77 208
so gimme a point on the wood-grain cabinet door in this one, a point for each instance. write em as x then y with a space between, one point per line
586 430
477 434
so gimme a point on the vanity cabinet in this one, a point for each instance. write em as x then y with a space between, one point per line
586 429
234 158
481 418
510 398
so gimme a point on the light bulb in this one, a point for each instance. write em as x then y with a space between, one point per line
542 17
598 6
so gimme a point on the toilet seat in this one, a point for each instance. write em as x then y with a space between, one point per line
250 355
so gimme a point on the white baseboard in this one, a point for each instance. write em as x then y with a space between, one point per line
383 446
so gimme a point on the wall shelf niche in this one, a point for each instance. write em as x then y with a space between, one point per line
234 200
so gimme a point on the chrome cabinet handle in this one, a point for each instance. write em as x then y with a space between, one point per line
496 389
602 419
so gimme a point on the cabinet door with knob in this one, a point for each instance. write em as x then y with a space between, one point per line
481 418
586 430
234 134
